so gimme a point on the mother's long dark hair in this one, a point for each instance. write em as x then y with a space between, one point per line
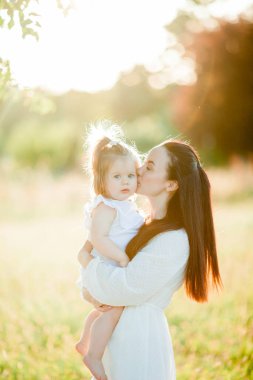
189 208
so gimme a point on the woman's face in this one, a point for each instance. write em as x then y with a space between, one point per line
153 174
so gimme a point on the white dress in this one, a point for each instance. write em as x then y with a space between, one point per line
140 347
124 227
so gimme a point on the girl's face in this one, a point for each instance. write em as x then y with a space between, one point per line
153 174
121 178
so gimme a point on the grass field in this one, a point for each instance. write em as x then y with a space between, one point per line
41 311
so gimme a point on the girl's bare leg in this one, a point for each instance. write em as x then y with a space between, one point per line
101 331
83 343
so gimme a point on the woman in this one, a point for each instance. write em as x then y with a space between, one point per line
175 245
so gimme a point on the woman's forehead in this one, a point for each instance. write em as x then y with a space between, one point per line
158 156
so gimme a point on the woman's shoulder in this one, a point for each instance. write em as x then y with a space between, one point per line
180 234
170 240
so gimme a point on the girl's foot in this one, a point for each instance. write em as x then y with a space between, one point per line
95 366
80 348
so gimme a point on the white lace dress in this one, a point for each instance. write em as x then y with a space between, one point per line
140 347
124 227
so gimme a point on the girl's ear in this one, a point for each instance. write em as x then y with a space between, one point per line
171 186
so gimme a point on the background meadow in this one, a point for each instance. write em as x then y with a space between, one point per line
182 70
42 313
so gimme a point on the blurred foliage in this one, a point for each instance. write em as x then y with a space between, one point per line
200 2
216 112
15 13
18 13
52 145
21 14
5 78
26 136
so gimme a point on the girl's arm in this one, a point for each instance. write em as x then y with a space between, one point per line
87 248
102 219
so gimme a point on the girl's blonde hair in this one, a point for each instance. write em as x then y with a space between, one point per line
105 141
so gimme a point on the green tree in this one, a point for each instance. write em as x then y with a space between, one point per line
15 13
20 13
217 110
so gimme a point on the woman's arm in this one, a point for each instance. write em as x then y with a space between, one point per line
102 219
162 261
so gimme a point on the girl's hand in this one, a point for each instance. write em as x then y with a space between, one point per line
88 246
104 308
124 262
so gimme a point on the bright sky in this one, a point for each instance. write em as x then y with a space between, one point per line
89 48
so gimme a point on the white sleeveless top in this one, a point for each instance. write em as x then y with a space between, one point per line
125 226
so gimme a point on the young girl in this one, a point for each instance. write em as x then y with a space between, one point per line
112 220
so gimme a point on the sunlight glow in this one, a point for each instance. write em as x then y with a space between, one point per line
88 49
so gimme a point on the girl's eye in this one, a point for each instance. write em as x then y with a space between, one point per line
148 168
117 176
131 175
